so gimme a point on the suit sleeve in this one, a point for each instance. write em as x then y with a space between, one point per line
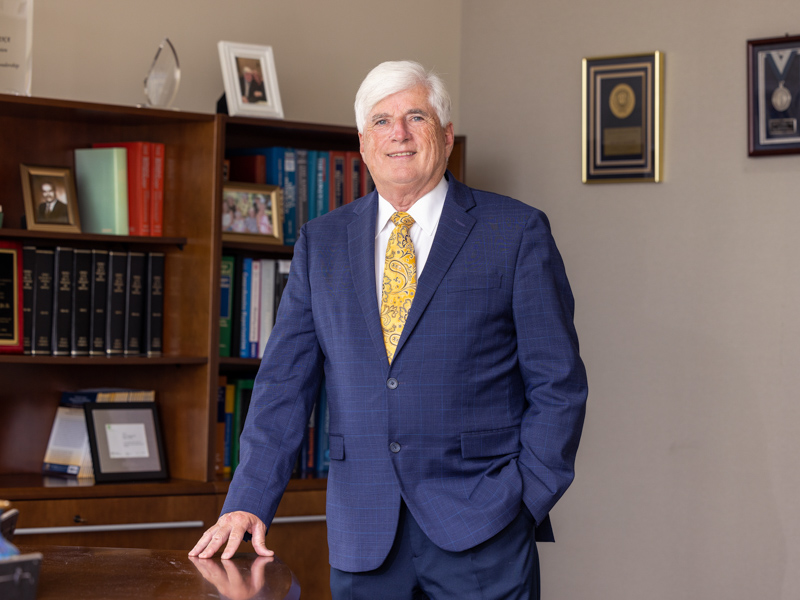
551 367
286 387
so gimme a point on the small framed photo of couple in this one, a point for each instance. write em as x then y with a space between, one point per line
251 83
252 213
51 203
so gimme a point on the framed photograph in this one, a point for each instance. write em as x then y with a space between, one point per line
51 203
251 83
252 213
623 118
773 84
125 441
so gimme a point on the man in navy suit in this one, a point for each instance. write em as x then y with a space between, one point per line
449 448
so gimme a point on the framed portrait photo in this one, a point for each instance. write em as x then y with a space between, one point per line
51 203
773 77
125 441
251 83
252 213
623 118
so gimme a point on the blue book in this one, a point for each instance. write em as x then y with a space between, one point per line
289 196
322 194
244 335
312 185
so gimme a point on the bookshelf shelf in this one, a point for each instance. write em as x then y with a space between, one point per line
100 361
46 238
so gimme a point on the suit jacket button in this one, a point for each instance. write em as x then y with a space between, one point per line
394 447
391 383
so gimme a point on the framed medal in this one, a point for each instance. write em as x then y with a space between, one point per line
623 100
773 77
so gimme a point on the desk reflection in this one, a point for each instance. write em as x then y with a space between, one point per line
241 578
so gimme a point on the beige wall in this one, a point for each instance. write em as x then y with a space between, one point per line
688 295
100 50
687 291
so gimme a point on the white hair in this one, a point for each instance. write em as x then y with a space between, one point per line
397 76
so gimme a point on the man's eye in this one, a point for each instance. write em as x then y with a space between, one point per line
381 122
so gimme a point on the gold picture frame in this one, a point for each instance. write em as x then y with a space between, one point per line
55 186
623 118
252 213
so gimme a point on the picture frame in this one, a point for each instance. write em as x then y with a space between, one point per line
125 441
623 118
242 66
11 335
54 185
773 101
252 213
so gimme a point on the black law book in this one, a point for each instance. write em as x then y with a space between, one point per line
115 305
43 292
134 304
28 264
81 302
97 321
154 305
62 302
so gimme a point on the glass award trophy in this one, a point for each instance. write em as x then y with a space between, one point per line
163 78
16 37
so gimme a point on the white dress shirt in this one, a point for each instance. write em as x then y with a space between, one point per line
426 213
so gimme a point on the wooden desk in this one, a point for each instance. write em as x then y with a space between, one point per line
84 573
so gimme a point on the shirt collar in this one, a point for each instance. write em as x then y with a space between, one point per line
426 211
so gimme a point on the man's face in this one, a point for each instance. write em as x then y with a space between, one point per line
248 76
403 144
48 193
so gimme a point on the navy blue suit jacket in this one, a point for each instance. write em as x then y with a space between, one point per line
481 409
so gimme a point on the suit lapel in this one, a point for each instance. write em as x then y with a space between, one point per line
361 245
454 227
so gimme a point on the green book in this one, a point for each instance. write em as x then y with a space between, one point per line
244 391
101 176
226 305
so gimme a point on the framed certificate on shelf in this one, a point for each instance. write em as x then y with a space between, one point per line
623 100
773 76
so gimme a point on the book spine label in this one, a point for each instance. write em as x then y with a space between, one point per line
99 300
28 266
62 302
154 311
43 293
134 303
81 302
115 306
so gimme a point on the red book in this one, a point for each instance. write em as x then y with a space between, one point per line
337 179
138 184
248 169
10 297
157 190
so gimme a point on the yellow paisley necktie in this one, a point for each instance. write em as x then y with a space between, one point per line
399 281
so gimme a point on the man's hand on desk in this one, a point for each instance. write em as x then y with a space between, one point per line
231 528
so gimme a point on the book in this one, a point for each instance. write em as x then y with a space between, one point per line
81 302
157 167
267 318
230 401
115 304
248 168
28 265
244 392
312 211
226 279
289 197
134 304
99 300
77 398
43 292
62 301
337 179
219 430
11 297
154 305
322 194
101 177
138 163
244 308
301 178
281 279
68 452
352 176
255 308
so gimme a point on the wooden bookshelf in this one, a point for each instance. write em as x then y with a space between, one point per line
45 132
